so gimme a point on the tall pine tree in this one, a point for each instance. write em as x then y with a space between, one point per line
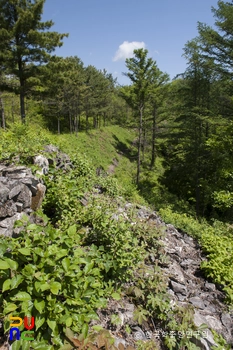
25 41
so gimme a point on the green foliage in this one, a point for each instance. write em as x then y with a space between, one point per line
53 278
23 142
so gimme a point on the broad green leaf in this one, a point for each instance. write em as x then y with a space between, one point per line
39 251
17 345
25 251
88 267
41 346
116 296
13 264
39 321
16 280
66 263
61 253
97 328
69 321
84 330
10 308
4 265
72 231
32 227
39 305
43 286
6 285
22 296
55 287
51 324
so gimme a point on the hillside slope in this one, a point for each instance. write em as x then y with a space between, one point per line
105 261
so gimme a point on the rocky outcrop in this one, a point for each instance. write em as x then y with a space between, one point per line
186 285
20 194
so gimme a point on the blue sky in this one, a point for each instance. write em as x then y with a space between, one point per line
103 32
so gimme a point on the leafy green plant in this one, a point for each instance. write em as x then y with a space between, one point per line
52 278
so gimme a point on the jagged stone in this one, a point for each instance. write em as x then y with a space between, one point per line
7 225
8 209
4 191
25 197
227 321
196 301
210 286
15 191
43 163
178 288
16 172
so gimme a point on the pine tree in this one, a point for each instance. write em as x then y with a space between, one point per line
25 42
140 72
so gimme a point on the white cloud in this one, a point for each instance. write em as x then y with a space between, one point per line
127 48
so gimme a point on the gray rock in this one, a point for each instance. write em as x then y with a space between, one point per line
178 288
8 209
25 197
198 302
43 163
16 172
214 323
19 207
15 191
227 321
4 191
210 286
176 273
7 225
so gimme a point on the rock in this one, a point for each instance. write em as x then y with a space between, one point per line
19 207
36 201
25 197
43 163
210 286
7 225
214 323
178 288
4 191
196 301
227 321
16 172
8 209
51 149
176 273
15 191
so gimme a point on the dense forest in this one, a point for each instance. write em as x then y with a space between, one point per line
182 149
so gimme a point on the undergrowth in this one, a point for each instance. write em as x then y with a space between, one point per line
86 252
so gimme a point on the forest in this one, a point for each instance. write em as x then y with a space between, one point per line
181 150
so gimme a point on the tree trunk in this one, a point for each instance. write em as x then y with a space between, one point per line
152 163
70 120
22 103
139 145
76 126
22 91
58 125
2 112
